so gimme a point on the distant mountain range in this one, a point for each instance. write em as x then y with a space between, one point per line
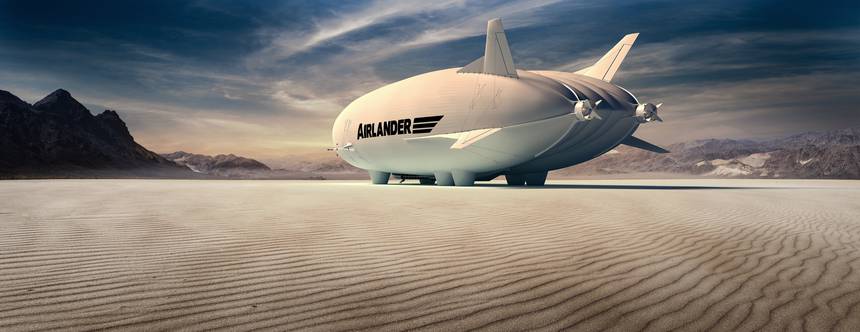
831 154
296 168
314 163
59 137
228 165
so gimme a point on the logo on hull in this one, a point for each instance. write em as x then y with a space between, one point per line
420 125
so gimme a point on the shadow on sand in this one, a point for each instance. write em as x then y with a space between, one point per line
620 187
607 186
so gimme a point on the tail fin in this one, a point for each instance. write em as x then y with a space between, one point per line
641 144
606 67
497 58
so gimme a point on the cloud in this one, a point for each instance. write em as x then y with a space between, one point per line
286 43
755 108
382 29
268 78
743 84
723 52
514 15
299 97
767 53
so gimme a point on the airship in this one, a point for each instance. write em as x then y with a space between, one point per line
455 126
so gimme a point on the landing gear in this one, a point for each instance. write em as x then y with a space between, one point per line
515 179
454 178
377 177
444 179
535 179
529 179
463 178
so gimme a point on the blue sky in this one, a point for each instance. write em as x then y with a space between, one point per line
267 78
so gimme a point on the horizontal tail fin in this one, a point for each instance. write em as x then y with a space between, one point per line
640 144
605 68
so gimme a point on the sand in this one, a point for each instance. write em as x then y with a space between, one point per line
623 255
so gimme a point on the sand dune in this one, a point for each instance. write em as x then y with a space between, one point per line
626 255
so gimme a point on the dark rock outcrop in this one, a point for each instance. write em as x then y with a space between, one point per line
58 135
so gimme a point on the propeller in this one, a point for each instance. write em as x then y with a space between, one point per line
647 112
585 111
594 113
582 109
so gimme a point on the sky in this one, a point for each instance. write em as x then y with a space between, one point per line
266 79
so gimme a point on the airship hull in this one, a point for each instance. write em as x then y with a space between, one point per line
530 114
458 125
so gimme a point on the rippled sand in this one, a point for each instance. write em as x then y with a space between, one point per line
291 255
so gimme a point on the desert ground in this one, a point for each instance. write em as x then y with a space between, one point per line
621 255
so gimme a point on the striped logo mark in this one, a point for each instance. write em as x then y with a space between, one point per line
425 124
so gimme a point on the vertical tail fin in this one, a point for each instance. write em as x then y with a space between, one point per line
605 68
497 59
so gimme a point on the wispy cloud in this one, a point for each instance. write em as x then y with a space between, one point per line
515 15
267 79
762 107
286 43
332 80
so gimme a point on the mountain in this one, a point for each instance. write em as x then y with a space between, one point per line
326 162
830 154
228 165
59 136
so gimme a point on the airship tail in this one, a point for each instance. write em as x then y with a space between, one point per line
642 144
497 59
606 67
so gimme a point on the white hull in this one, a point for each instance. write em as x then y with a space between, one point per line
487 119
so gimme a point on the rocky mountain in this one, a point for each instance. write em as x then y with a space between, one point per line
832 154
58 135
228 165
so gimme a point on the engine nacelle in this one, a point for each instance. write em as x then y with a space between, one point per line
647 112
584 111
